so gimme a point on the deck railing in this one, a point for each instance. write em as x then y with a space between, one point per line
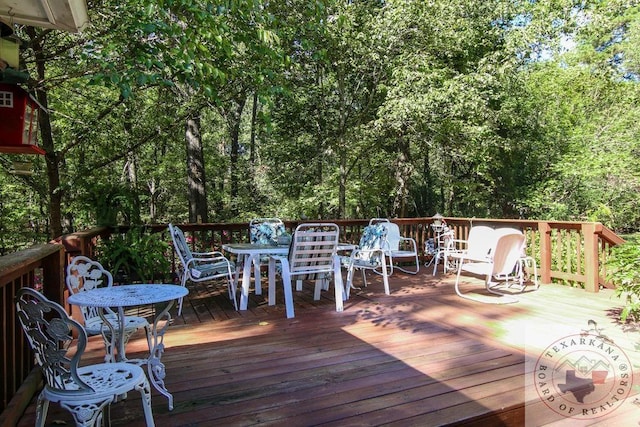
40 267
571 252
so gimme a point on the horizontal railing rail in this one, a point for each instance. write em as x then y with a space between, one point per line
574 253
39 267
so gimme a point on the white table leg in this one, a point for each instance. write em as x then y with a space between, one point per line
246 281
256 275
155 367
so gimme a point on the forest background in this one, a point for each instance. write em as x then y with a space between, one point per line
188 111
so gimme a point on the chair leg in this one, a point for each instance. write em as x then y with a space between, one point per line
272 281
319 286
349 283
385 279
145 393
436 258
183 282
232 289
42 408
256 276
147 332
338 284
288 292
404 270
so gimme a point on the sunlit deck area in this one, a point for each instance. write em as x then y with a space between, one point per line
421 356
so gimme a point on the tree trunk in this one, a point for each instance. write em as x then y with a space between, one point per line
233 116
403 170
254 117
46 136
342 190
197 194
130 174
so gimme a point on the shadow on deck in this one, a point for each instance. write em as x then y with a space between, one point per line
419 357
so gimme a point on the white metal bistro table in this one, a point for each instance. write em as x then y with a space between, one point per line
247 253
124 296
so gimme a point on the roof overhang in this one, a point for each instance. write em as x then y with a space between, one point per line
66 15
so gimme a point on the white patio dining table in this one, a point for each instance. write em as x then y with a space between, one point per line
130 296
247 252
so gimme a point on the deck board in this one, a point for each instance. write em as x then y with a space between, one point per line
421 356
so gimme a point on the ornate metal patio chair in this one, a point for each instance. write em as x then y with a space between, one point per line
312 256
264 231
202 266
85 391
368 255
84 274
497 265
397 246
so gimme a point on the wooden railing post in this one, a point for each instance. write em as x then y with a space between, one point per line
590 233
53 276
545 251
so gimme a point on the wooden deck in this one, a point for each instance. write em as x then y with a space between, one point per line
421 356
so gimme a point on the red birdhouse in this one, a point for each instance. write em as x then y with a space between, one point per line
18 121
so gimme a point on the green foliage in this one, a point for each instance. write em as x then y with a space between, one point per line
21 221
365 108
135 256
623 269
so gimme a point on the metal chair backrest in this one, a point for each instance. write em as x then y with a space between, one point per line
507 253
312 249
180 245
480 242
392 240
49 331
84 274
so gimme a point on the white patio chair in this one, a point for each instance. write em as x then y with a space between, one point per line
520 275
397 246
479 243
264 231
496 266
84 274
202 266
369 255
312 256
85 391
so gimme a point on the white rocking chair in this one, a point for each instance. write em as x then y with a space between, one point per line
497 265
